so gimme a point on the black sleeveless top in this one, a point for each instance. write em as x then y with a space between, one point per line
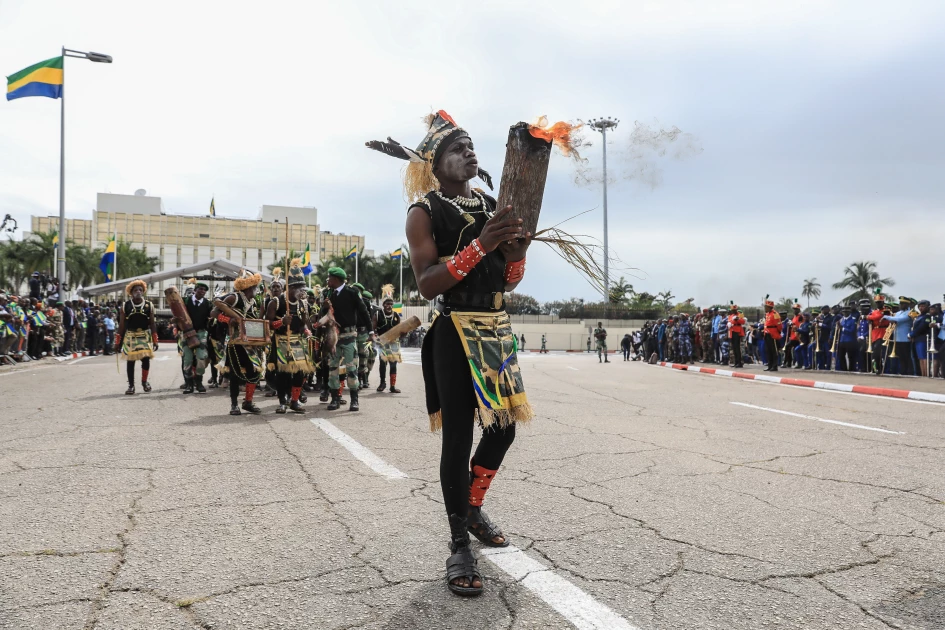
244 306
299 312
137 316
455 227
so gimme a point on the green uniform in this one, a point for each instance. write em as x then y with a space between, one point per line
600 334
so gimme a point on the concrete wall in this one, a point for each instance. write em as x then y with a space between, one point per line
296 216
129 204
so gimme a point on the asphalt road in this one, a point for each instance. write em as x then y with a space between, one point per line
641 497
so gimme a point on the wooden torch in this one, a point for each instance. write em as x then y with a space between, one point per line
524 174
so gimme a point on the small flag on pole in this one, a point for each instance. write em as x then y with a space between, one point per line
353 253
55 238
108 261
307 260
397 254
213 210
40 79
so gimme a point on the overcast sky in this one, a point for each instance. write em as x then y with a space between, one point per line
820 123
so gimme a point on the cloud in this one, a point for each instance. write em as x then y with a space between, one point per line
820 124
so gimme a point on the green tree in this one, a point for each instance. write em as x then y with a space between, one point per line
784 304
521 304
665 299
39 252
621 292
82 265
131 261
13 271
864 279
811 289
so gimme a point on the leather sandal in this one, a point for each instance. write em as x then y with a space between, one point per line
479 525
463 564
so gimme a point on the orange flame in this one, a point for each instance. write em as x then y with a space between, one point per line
558 133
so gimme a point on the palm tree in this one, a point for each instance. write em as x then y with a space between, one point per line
39 252
665 299
621 292
863 278
13 272
82 265
811 289
132 261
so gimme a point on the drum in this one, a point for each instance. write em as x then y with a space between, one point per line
253 332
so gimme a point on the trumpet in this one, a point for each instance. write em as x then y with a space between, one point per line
836 337
888 339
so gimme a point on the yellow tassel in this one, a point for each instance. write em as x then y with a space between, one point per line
436 421
419 180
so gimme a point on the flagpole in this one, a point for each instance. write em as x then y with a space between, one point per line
357 255
115 259
401 260
61 256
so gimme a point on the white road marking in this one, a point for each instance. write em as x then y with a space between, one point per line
806 417
361 452
573 368
80 360
163 359
582 610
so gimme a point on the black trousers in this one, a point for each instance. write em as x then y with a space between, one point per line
736 343
383 368
846 356
285 381
879 355
90 338
458 404
904 356
130 368
771 352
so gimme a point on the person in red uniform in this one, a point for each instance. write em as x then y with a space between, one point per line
772 334
877 331
793 341
736 331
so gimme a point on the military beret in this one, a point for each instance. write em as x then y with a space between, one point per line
937 305
367 294
924 303
201 283
338 272
358 286
310 292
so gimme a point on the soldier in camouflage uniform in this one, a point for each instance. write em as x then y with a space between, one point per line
350 314
705 331
81 322
600 335
670 339
56 331
363 335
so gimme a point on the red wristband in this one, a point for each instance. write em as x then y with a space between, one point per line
515 271
463 261
276 325
223 319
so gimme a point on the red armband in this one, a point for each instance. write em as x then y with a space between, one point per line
276 325
154 338
463 261
514 271
223 319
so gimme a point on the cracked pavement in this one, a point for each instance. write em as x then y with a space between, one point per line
643 487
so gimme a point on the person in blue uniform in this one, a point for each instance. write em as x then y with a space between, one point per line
938 335
847 343
825 325
716 341
902 337
863 337
803 353
921 328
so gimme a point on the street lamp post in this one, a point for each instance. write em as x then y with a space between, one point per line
61 254
603 125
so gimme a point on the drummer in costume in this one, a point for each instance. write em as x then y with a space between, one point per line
311 298
276 289
244 364
323 365
137 334
216 348
465 254
288 316
195 359
345 302
389 353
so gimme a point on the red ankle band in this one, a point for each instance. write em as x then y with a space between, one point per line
250 390
482 479
144 376
296 392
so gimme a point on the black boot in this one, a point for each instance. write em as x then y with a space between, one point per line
130 390
235 410
382 386
354 401
188 385
335 402
198 384
250 407
323 397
